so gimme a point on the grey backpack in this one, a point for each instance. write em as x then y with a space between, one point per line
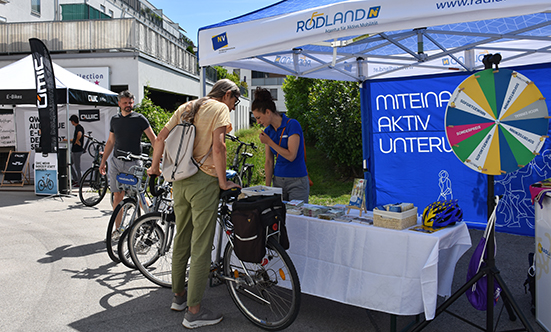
178 162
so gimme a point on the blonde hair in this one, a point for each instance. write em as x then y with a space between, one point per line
220 88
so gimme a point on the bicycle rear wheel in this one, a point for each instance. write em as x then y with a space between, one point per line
150 244
92 187
127 210
273 301
123 251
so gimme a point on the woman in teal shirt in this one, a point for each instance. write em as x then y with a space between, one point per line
284 139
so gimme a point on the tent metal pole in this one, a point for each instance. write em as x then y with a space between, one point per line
202 82
68 152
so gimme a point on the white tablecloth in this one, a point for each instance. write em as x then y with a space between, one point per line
398 272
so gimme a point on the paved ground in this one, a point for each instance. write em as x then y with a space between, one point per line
56 276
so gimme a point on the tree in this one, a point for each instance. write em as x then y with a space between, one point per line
156 115
330 114
223 73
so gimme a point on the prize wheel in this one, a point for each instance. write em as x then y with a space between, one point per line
496 121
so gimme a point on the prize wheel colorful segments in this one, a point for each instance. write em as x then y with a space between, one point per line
496 121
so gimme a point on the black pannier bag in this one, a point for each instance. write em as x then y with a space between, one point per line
254 218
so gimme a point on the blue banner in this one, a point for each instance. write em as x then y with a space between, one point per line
408 158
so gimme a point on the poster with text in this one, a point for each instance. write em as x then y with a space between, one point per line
45 174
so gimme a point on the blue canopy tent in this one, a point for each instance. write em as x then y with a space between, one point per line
409 57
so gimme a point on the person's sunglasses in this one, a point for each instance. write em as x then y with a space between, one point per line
237 101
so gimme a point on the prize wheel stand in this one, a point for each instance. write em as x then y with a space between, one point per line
490 269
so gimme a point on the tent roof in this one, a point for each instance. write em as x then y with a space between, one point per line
18 86
326 38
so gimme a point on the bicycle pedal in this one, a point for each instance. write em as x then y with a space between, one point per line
215 281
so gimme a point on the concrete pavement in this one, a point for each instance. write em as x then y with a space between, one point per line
56 276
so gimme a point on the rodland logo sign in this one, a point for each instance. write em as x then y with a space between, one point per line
219 41
449 61
288 60
352 19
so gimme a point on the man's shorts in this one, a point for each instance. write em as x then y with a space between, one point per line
117 166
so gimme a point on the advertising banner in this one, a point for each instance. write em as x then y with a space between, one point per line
7 129
412 161
542 257
45 95
97 75
95 121
45 174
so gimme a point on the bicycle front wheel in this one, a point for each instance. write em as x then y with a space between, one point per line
150 243
92 187
273 300
123 215
123 251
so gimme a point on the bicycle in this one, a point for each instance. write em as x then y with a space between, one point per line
45 182
244 170
134 184
93 185
268 294
161 201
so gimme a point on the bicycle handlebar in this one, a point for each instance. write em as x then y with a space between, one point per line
94 140
153 188
129 156
236 139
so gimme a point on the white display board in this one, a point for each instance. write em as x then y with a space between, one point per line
542 259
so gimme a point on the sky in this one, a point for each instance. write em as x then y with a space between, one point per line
194 14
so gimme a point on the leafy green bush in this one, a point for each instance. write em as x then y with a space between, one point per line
156 115
330 114
250 135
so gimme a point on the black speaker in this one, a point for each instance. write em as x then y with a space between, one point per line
62 166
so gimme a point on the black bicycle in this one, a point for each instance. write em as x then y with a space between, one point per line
240 165
93 185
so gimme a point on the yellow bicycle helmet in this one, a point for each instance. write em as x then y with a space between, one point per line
442 213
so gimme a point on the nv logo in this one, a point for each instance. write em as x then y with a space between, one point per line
373 12
446 62
219 41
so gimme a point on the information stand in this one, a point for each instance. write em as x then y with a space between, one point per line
17 172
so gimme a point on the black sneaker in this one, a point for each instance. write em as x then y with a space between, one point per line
179 303
204 317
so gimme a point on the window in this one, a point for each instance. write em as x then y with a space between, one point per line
81 12
35 6
110 13
273 92
102 7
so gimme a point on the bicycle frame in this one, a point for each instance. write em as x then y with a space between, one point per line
240 158
133 183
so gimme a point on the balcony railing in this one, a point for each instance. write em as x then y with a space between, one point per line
112 35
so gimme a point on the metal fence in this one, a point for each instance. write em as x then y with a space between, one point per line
112 35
